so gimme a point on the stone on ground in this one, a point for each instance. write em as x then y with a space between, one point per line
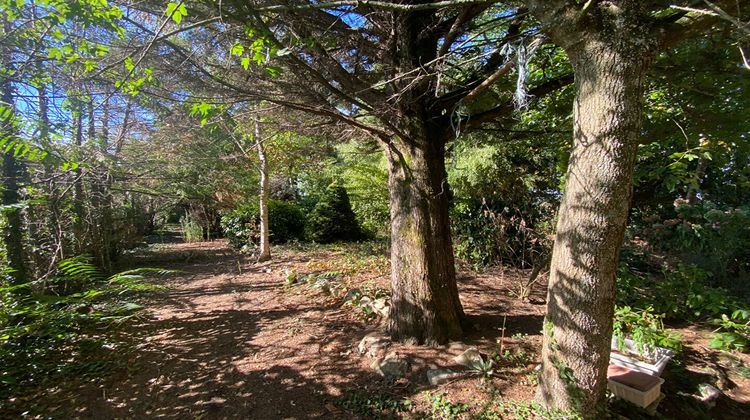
471 358
391 367
373 344
440 376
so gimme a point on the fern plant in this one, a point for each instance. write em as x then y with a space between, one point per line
36 328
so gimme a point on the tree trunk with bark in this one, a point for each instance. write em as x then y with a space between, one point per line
78 208
13 170
424 305
609 69
265 244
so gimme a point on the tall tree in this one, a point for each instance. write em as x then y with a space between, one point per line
390 73
13 168
610 45
265 242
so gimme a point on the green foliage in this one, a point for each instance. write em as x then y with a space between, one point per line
374 405
516 358
176 11
690 295
503 207
644 327
363 298
734 332
44 335
242 225
332 218
192 231
364 174
442 408
521 410
715 239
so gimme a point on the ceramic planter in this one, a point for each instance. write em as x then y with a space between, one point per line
652 360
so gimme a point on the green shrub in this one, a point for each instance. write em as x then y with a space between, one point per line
364 174
713 238
58 334
683 293
485 235
644 327
374 405
191 230
734 332
242 225
332 218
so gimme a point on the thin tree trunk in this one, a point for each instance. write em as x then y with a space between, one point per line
13 170
693 190
592 219
78 209
52 196
99 214
106 183
424 304
265 244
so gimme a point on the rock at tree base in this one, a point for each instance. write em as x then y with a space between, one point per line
381 307
391 367
440 376
373 344
471 358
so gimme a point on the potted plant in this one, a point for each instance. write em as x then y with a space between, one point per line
639 341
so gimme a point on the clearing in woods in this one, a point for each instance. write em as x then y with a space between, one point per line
231 338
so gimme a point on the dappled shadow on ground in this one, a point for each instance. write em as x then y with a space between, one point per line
228 340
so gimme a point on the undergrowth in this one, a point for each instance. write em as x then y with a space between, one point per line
67 325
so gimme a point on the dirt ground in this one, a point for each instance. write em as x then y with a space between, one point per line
228 339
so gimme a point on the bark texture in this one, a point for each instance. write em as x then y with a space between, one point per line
79 212
425 304
13 170
610 55
265 243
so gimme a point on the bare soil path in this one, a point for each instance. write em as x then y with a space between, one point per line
230 340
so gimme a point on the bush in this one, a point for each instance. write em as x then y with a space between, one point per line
242 225
332 218
734 332
191 230
715 239
644 327
58 332
691 297
485 236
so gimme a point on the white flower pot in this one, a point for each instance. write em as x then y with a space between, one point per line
657 357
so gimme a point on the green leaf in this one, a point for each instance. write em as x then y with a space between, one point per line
259 57
246 62
237 49
273 71
129 65
176 11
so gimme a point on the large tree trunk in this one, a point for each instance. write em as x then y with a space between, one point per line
425 304
265 243
591 225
